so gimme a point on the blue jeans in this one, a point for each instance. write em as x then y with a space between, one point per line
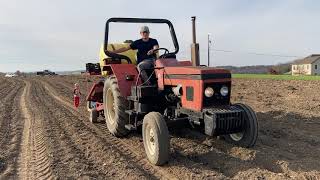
143 67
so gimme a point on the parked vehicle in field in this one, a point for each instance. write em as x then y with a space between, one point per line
46 73
179 91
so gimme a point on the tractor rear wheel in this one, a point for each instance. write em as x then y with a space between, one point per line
156 138
114 108
248 137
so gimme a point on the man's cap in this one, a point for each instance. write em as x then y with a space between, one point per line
144 29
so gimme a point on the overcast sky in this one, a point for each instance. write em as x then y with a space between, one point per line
64 35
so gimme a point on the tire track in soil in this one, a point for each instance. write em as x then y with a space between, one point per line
10 127
132 154
34 159
68 161
183 166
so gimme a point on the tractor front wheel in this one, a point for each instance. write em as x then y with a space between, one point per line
156 138
248 137
93 116
114 108
93 113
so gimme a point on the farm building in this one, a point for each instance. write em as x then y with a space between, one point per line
307 66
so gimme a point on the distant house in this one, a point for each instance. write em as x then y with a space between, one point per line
307 66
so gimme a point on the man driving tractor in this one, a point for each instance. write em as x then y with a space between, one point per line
145 54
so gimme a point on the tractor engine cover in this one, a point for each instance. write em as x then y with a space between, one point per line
193 82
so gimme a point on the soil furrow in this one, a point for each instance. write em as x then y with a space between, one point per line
10 128
7 106
68 160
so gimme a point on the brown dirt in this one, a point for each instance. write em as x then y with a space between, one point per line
43 137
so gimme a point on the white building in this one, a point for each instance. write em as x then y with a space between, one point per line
307 66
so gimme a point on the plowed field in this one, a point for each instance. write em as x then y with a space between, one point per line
42 136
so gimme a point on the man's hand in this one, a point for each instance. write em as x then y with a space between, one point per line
150 52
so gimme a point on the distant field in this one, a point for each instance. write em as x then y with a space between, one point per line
276 77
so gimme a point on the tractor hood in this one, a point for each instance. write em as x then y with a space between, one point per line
197 73
194 80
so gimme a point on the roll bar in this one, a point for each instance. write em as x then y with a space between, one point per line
141 20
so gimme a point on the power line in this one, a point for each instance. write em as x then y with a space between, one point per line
258 54
202 50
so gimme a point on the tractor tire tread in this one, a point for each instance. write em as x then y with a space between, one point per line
163 151
120 104
93 116
250 137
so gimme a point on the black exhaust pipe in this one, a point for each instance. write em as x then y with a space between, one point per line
195 59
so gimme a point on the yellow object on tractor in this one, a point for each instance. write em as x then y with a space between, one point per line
105 60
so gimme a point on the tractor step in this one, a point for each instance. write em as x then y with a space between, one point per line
144 91
132 112
130 127
132 98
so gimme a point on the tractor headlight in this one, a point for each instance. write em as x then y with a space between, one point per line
224 90
209 92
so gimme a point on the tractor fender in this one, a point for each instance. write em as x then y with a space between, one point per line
126 75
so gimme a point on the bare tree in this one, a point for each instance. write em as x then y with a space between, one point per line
18 73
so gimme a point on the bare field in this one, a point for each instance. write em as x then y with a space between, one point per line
43 137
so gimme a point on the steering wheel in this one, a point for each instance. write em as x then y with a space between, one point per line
166 51
118 57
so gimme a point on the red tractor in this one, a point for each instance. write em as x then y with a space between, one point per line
179 92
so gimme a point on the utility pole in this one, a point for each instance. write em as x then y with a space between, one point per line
209 44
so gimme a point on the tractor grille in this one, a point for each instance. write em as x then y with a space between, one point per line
217 99
229 123
228 120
